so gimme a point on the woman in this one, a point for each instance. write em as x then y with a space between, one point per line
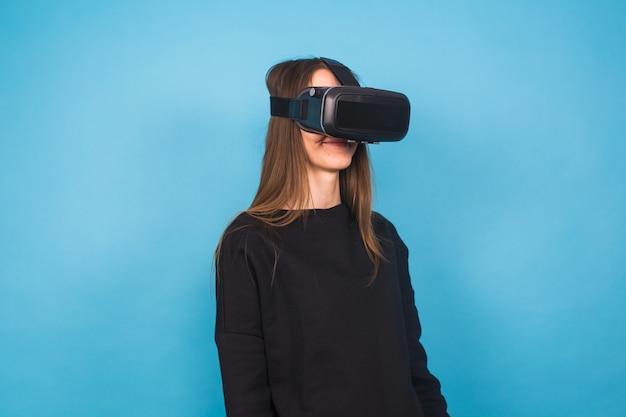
315 311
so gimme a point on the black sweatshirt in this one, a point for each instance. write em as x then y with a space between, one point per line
300 333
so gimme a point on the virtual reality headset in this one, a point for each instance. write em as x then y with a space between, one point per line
348 112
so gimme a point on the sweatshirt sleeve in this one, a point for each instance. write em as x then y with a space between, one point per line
238 330
426 385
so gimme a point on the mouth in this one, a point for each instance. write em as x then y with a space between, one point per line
340 143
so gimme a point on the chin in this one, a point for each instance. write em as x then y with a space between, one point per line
341 167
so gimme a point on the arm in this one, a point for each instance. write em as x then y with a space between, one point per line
427 387
238 331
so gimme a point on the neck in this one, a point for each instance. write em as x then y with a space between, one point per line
324 188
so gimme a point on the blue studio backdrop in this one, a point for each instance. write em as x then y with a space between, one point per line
131 133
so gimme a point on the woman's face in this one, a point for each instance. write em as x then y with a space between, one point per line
326 153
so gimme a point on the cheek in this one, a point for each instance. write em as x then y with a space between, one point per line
354 148
311 138
310 141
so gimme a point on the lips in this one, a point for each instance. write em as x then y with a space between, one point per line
337 142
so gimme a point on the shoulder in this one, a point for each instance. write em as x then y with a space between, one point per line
242 227
386 231
383 226
242 221
248 232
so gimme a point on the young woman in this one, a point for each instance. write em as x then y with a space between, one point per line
315 309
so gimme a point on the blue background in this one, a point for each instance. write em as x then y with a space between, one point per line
132 132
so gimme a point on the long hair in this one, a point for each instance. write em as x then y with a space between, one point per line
284 181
